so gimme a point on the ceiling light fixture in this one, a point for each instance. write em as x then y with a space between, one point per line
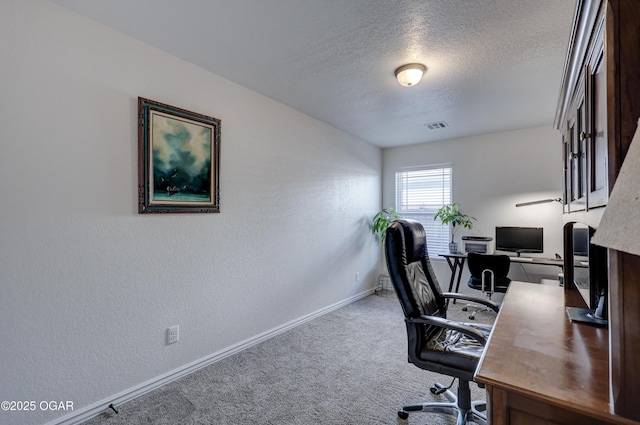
410 74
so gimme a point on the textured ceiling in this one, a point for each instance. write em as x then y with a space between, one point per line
492 65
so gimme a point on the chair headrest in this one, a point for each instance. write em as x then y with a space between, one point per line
415 239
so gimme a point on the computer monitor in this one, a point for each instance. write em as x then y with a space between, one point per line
588 271
581 236
520 239
580 266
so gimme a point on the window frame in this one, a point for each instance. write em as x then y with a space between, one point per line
438 235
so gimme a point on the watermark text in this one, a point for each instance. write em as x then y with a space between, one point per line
33 405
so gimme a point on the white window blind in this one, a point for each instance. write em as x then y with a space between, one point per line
420 192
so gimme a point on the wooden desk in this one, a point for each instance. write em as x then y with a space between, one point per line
539 368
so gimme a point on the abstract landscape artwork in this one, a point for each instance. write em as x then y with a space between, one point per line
179 160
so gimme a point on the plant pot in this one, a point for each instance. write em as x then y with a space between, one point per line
453 247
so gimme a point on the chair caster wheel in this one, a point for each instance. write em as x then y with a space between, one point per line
433 390
403 415
472 317
464 308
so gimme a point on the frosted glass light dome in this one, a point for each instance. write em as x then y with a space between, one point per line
410 74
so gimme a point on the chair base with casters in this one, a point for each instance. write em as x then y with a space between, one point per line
477 308
459 405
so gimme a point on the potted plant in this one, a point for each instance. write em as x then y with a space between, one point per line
451 214
382 220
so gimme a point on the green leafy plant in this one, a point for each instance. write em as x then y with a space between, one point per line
382 220
451 214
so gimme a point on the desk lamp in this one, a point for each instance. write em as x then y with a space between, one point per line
542 201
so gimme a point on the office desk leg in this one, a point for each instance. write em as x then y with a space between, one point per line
460 268
452 267
456 265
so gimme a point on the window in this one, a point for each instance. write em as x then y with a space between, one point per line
420 192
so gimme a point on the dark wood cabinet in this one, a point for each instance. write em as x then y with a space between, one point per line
582 113
597 114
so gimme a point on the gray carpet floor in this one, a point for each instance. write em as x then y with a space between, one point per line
346 367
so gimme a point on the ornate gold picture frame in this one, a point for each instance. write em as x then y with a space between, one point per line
178 160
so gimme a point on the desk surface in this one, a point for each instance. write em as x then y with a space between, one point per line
514 259
534 350
537 260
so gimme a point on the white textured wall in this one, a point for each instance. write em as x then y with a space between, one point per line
491 173
88 286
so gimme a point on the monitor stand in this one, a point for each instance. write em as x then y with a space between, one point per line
584 315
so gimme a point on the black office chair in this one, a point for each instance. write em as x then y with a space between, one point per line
489 275
434 342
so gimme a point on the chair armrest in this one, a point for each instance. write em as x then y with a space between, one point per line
457 296
450 324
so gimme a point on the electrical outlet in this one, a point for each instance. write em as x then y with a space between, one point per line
173 335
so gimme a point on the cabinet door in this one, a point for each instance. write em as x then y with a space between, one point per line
576 150
566 170
597 146
585 141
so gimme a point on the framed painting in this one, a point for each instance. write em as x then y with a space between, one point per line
178 160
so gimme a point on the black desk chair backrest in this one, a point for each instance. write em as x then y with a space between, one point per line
411 271
489 275
488 272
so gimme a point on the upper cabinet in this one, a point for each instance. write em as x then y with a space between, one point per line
582 114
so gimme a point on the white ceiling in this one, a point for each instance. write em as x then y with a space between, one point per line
492 65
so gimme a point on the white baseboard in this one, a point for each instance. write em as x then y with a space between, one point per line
122 397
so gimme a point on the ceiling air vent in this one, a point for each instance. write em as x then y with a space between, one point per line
437 125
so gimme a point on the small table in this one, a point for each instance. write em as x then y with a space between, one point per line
456 264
